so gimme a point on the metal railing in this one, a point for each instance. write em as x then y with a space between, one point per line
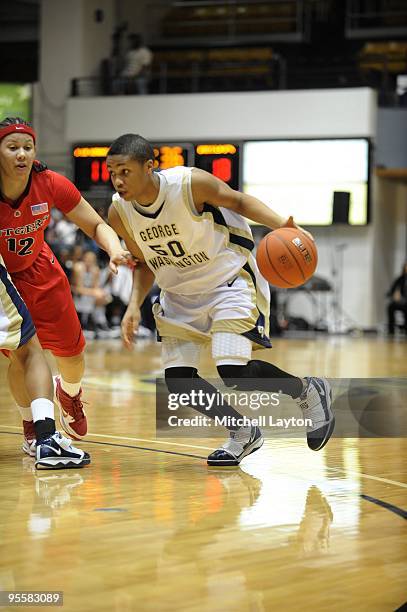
209 22
224 70
376 19
191 77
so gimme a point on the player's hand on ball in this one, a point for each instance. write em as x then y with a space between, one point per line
118 258
129 325
291 223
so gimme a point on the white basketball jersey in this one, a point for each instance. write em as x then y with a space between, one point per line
189 253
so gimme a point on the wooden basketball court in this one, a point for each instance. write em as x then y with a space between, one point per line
148 526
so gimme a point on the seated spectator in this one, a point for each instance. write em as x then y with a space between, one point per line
61 233
87 243
398 295
138 60
65 233
116 55
89 297
75 255
120 289
64 259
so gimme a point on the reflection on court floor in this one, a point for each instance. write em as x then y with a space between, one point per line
149 526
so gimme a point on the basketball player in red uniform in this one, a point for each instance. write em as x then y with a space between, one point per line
17 334
28 192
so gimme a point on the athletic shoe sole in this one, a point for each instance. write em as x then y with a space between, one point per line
330 425
251 448
60 463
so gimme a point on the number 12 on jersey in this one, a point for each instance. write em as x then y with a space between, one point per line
21 247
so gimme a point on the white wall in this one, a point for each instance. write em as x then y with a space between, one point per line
96 36
285 114
72 44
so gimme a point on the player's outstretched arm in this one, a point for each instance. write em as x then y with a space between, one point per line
88 220
208 188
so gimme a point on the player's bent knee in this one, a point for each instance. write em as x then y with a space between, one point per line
233 375
20 356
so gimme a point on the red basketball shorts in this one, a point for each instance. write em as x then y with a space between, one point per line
45 289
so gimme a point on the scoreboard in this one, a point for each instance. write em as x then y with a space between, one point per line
170 155
284 174
220 159
90 169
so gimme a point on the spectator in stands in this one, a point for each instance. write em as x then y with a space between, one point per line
87 243
137 63
89 297
65 232
76 254
398 295
64 260
120 286
116 55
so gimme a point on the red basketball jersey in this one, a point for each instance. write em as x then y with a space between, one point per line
22 225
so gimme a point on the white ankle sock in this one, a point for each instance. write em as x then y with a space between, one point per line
71 389
26 413
42 409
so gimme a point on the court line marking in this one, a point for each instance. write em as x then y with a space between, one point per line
112 437
337 470
378 478
151 450
149 441
386 505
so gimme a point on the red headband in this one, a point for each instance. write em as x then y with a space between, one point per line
17 128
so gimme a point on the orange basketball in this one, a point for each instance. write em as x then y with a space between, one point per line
287 257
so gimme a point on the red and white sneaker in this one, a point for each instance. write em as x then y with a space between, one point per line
71 413
30 442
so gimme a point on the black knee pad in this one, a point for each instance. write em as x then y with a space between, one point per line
173 376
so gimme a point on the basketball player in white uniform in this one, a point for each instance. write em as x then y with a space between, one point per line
17 334
188 231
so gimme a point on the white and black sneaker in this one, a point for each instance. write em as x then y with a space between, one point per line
29 442
315 403
241 443
57 452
